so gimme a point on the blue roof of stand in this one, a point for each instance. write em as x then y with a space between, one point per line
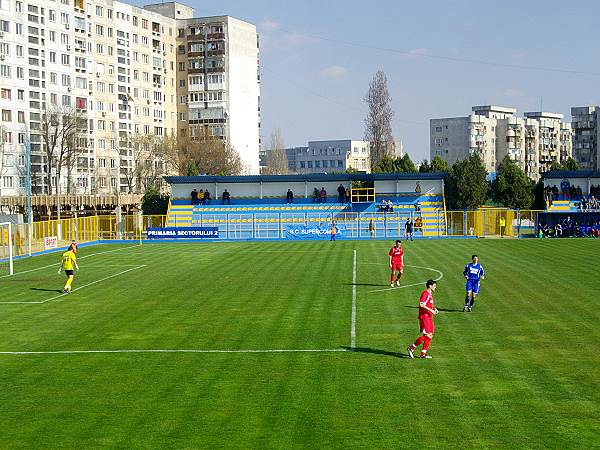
307 177
571 174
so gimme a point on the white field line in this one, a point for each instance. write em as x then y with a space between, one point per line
83 257
440 276
76 289
87 352
353 327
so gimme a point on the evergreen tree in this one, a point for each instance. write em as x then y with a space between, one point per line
571 164
439 165
424 167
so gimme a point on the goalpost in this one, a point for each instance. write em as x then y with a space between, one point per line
6 249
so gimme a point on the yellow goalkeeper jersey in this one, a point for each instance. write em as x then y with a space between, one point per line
68 260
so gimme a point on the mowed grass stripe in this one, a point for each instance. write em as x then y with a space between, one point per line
520 371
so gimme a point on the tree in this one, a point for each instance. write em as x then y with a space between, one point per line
155 203
385 165
439 165
405 165
61 130
466 186
207 155
511 187
424 167
4 150
145 166
571 164
378 123
276 157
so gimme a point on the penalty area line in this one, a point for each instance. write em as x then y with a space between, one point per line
58 264
91 352
76 289
353 326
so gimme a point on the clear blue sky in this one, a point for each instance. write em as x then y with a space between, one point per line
317 62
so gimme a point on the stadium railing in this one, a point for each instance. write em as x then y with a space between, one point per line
485 223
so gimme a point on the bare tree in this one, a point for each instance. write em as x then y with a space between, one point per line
276 157
61 130
378 123
143 162
189 155
4 150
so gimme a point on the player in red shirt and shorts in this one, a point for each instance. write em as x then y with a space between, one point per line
396 263
426 312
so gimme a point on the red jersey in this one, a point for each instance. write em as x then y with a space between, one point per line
397 255
426 298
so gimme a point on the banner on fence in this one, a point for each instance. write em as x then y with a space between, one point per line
183 233
313 231
50 242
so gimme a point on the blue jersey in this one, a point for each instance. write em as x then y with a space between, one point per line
474 272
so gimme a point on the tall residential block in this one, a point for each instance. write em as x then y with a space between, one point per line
493 132
127 73
586 134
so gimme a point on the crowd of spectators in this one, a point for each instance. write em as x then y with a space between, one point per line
570 228
570 192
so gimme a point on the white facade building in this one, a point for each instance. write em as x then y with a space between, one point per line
125 71
533 142
332 157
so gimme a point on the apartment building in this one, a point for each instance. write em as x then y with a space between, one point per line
330 156
123 70
586 134
218 83
534 142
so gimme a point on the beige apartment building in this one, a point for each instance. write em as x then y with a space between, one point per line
533 142
134 75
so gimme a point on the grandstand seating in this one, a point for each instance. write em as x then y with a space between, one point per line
264 211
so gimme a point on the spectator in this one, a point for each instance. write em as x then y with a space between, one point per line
418 188
390 206
347 195
201 197
194 195
593 204
289 196
418 207
226 197
579 193
567 227
408 229
554 192
315 197
341 193
333 232
558 231
206 197
419 224
501 225
371 229
323 195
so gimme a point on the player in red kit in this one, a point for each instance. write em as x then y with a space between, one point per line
396 263
426 312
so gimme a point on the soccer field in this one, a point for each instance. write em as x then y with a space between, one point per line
246 345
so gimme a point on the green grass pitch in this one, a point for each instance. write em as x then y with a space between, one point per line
521 371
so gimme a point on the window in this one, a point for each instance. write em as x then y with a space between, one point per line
99 49
181 83
21 116
7 181
99 30
99 12
5 94
181 66
113 163
20 94
6 115
64 59
51 15
4 71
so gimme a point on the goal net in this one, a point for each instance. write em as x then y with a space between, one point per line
6 248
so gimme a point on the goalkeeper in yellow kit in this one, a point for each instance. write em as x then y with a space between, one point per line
69 264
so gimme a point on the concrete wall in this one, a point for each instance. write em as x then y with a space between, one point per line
393 186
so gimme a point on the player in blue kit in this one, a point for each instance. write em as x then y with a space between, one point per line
474 273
